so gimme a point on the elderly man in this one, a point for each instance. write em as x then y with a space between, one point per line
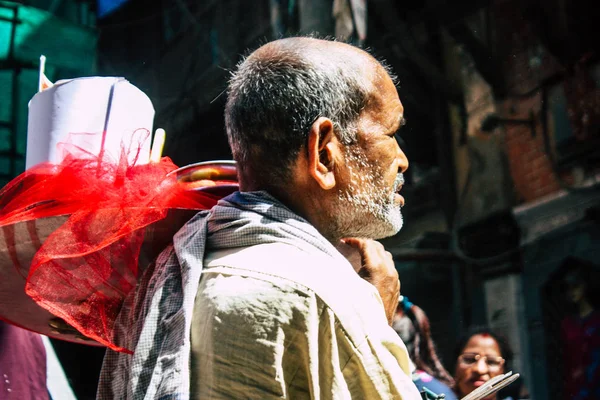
254 298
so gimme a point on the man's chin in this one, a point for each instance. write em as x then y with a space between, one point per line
385 229
388 233
394 223
368 225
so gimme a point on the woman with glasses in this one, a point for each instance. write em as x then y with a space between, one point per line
480 356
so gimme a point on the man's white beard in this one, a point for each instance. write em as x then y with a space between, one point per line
366 207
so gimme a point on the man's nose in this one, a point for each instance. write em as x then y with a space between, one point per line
402 160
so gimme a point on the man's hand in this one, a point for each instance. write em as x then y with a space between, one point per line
376 266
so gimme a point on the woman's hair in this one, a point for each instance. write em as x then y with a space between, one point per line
420 345
505 350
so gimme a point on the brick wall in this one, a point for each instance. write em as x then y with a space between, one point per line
529 164
525 64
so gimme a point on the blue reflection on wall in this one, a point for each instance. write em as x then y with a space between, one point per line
106 7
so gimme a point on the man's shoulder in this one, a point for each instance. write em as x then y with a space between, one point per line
280 251
281 265
235 290
227 293
332 283
284 263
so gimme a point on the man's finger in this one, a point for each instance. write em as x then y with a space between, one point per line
357 243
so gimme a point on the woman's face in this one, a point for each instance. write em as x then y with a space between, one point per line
479 361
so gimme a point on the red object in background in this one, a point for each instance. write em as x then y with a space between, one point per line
85 268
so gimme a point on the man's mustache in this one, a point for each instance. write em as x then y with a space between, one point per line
399 181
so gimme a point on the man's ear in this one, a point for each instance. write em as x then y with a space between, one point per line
323 150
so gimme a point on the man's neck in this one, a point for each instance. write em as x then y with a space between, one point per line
308 205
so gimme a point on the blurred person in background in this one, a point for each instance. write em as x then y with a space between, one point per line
412 325
580 333
22 364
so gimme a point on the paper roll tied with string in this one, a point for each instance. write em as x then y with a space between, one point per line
90 212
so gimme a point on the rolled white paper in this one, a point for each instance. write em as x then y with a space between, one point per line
76 111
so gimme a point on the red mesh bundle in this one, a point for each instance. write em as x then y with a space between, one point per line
87 266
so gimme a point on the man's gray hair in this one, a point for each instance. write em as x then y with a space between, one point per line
274 98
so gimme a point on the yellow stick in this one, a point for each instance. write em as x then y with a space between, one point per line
157 145
41 73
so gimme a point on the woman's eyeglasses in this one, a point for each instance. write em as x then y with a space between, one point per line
469 359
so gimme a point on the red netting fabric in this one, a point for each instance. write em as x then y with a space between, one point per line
87 266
